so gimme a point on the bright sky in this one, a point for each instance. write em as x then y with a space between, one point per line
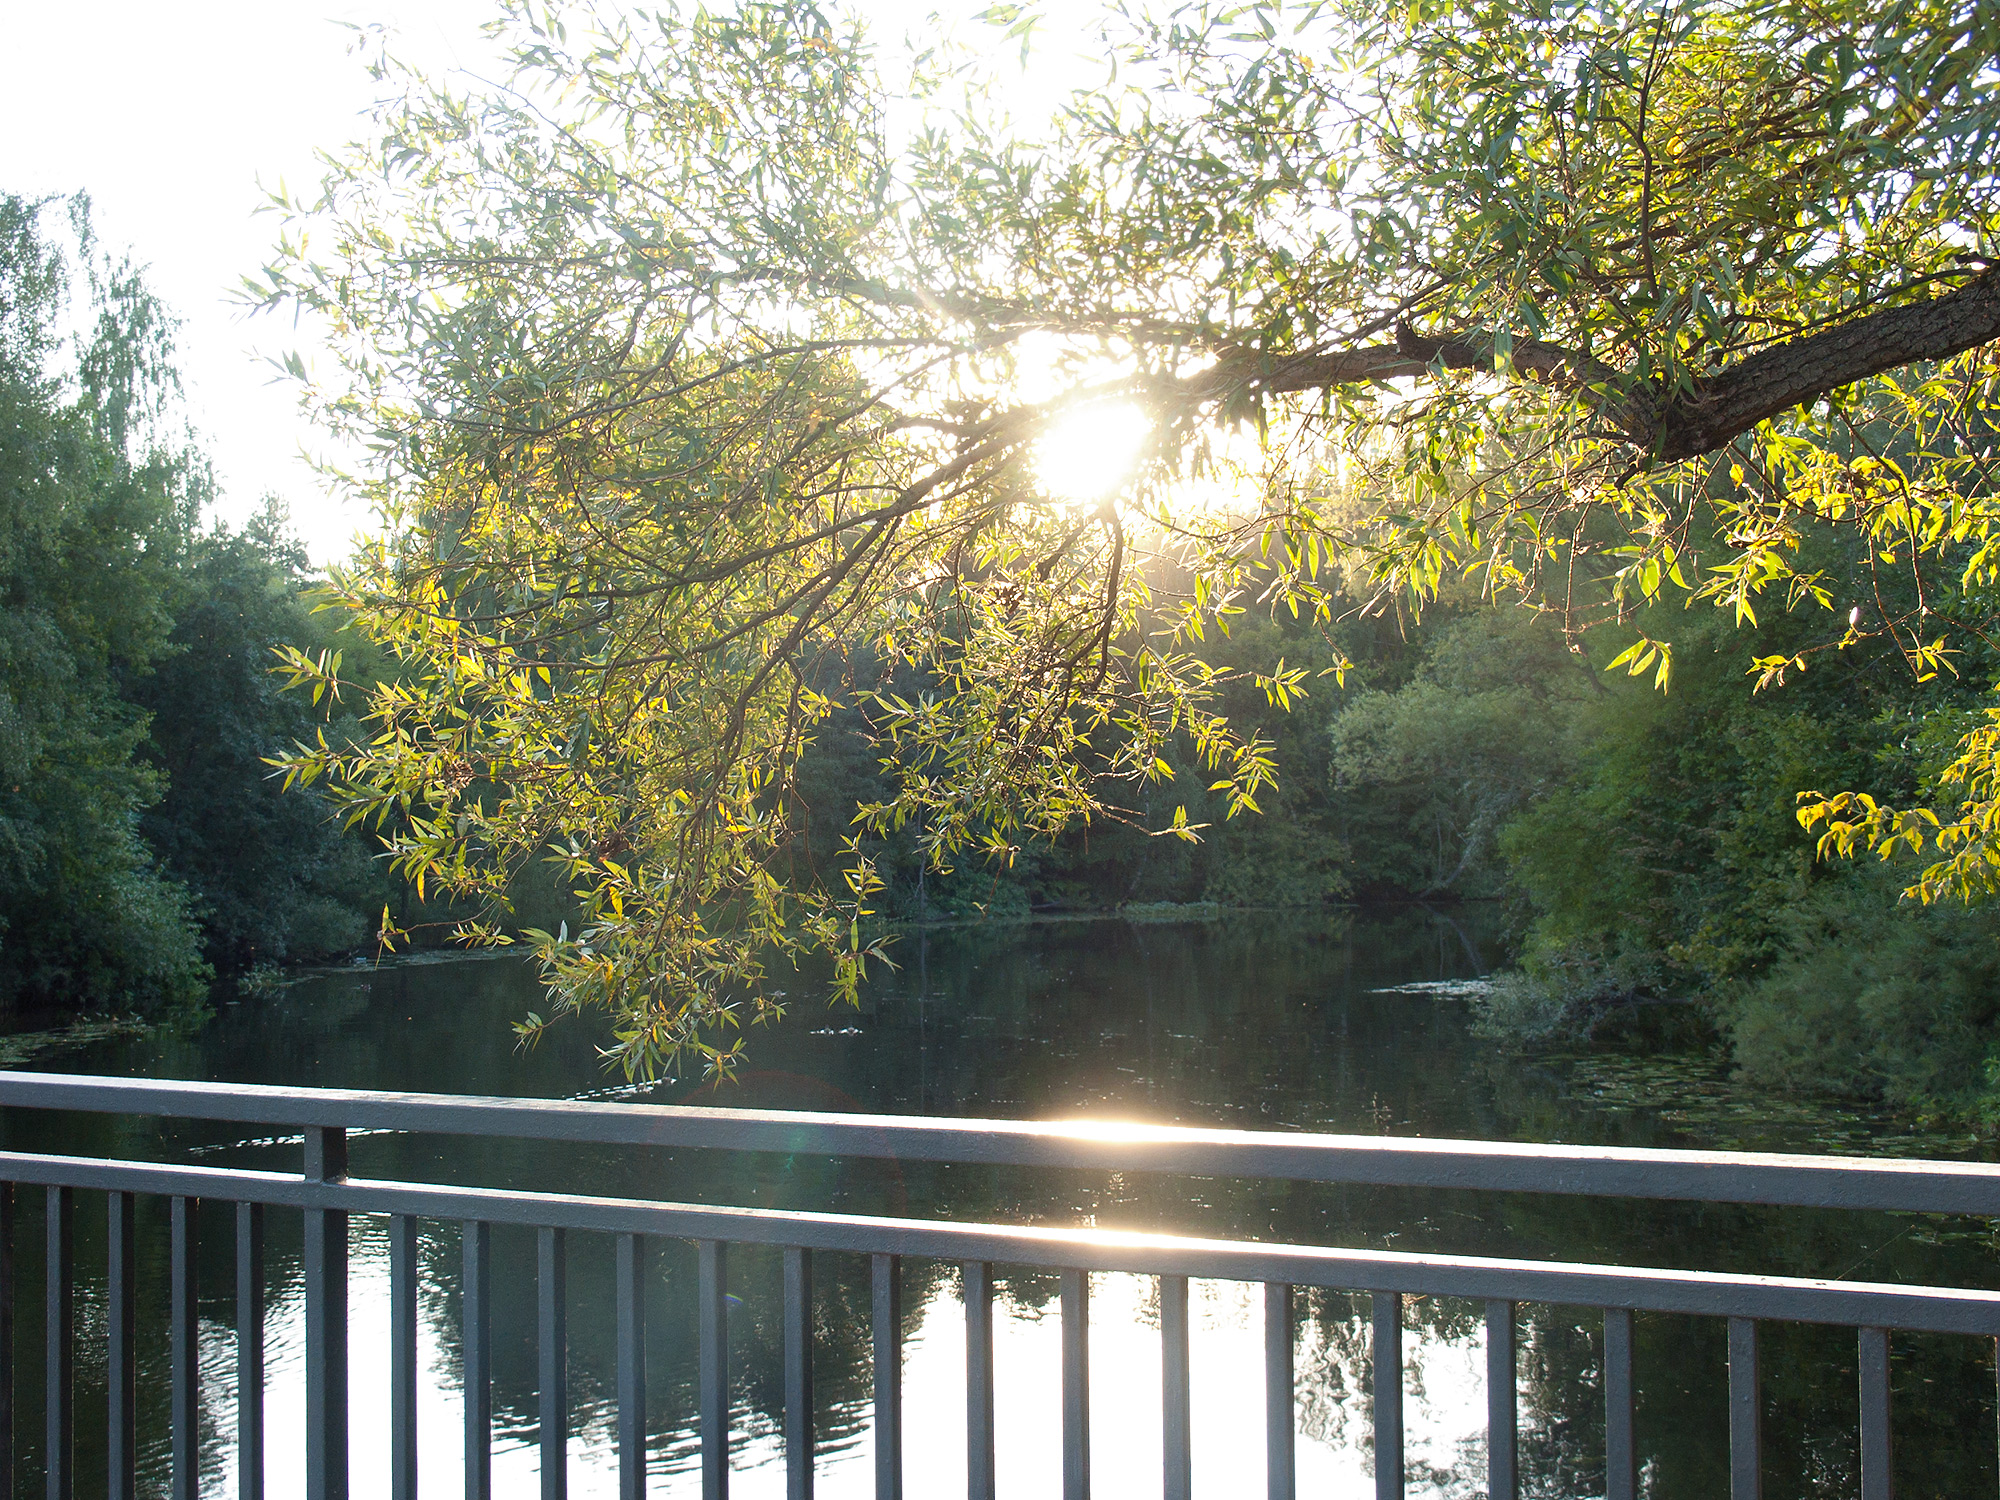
170 115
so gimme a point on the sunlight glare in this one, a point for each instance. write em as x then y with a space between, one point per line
1090 453
1120 1130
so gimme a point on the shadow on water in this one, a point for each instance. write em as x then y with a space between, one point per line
1256 1020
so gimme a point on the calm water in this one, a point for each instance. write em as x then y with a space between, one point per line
1253 1021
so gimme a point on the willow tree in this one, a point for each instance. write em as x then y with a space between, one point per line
713 357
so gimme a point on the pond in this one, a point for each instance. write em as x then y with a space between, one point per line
1344 1023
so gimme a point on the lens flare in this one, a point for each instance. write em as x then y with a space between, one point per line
1091 453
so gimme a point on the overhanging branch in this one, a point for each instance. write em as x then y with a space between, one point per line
1720 407
1772 381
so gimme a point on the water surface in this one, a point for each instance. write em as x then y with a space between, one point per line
1340 1023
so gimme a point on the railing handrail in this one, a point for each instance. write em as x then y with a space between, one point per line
327 1195
1577 1284
1784 1180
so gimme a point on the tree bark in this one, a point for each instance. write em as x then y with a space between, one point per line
1720 408
1732 401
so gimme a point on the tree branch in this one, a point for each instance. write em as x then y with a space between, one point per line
1727 404
1720 408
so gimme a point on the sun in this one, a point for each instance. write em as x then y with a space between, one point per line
1090 453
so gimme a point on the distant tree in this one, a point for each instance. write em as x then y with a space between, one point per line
693 358
96 505
271 875
1434 770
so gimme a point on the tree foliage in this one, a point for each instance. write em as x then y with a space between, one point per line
1435 769
143 840
269 874
93 504
711 361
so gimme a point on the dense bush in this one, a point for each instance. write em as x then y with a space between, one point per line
1877 999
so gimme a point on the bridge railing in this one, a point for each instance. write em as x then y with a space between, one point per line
326 1195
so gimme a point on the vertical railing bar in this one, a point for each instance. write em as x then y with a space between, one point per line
552 1348
1877 1479
61 1342
798 1374
1502 1477
1746 1459
6 1338
184 1349
476 1336
1076 1384
979 1450
121 1384
886 1277
713 1313
1621 1450
250 1351
402 1357
631 1367
1176 1433
326 1322
1387 1350
1280 1443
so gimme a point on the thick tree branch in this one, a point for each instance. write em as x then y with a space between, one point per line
1415 354
1731 402
1721 407
1411 354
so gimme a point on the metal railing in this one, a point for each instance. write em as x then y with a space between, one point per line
326 1195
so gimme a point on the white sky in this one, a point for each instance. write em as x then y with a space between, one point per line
170 115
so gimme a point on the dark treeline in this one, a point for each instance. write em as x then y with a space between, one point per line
144 845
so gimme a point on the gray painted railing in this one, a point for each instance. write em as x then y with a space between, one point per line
326 1195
